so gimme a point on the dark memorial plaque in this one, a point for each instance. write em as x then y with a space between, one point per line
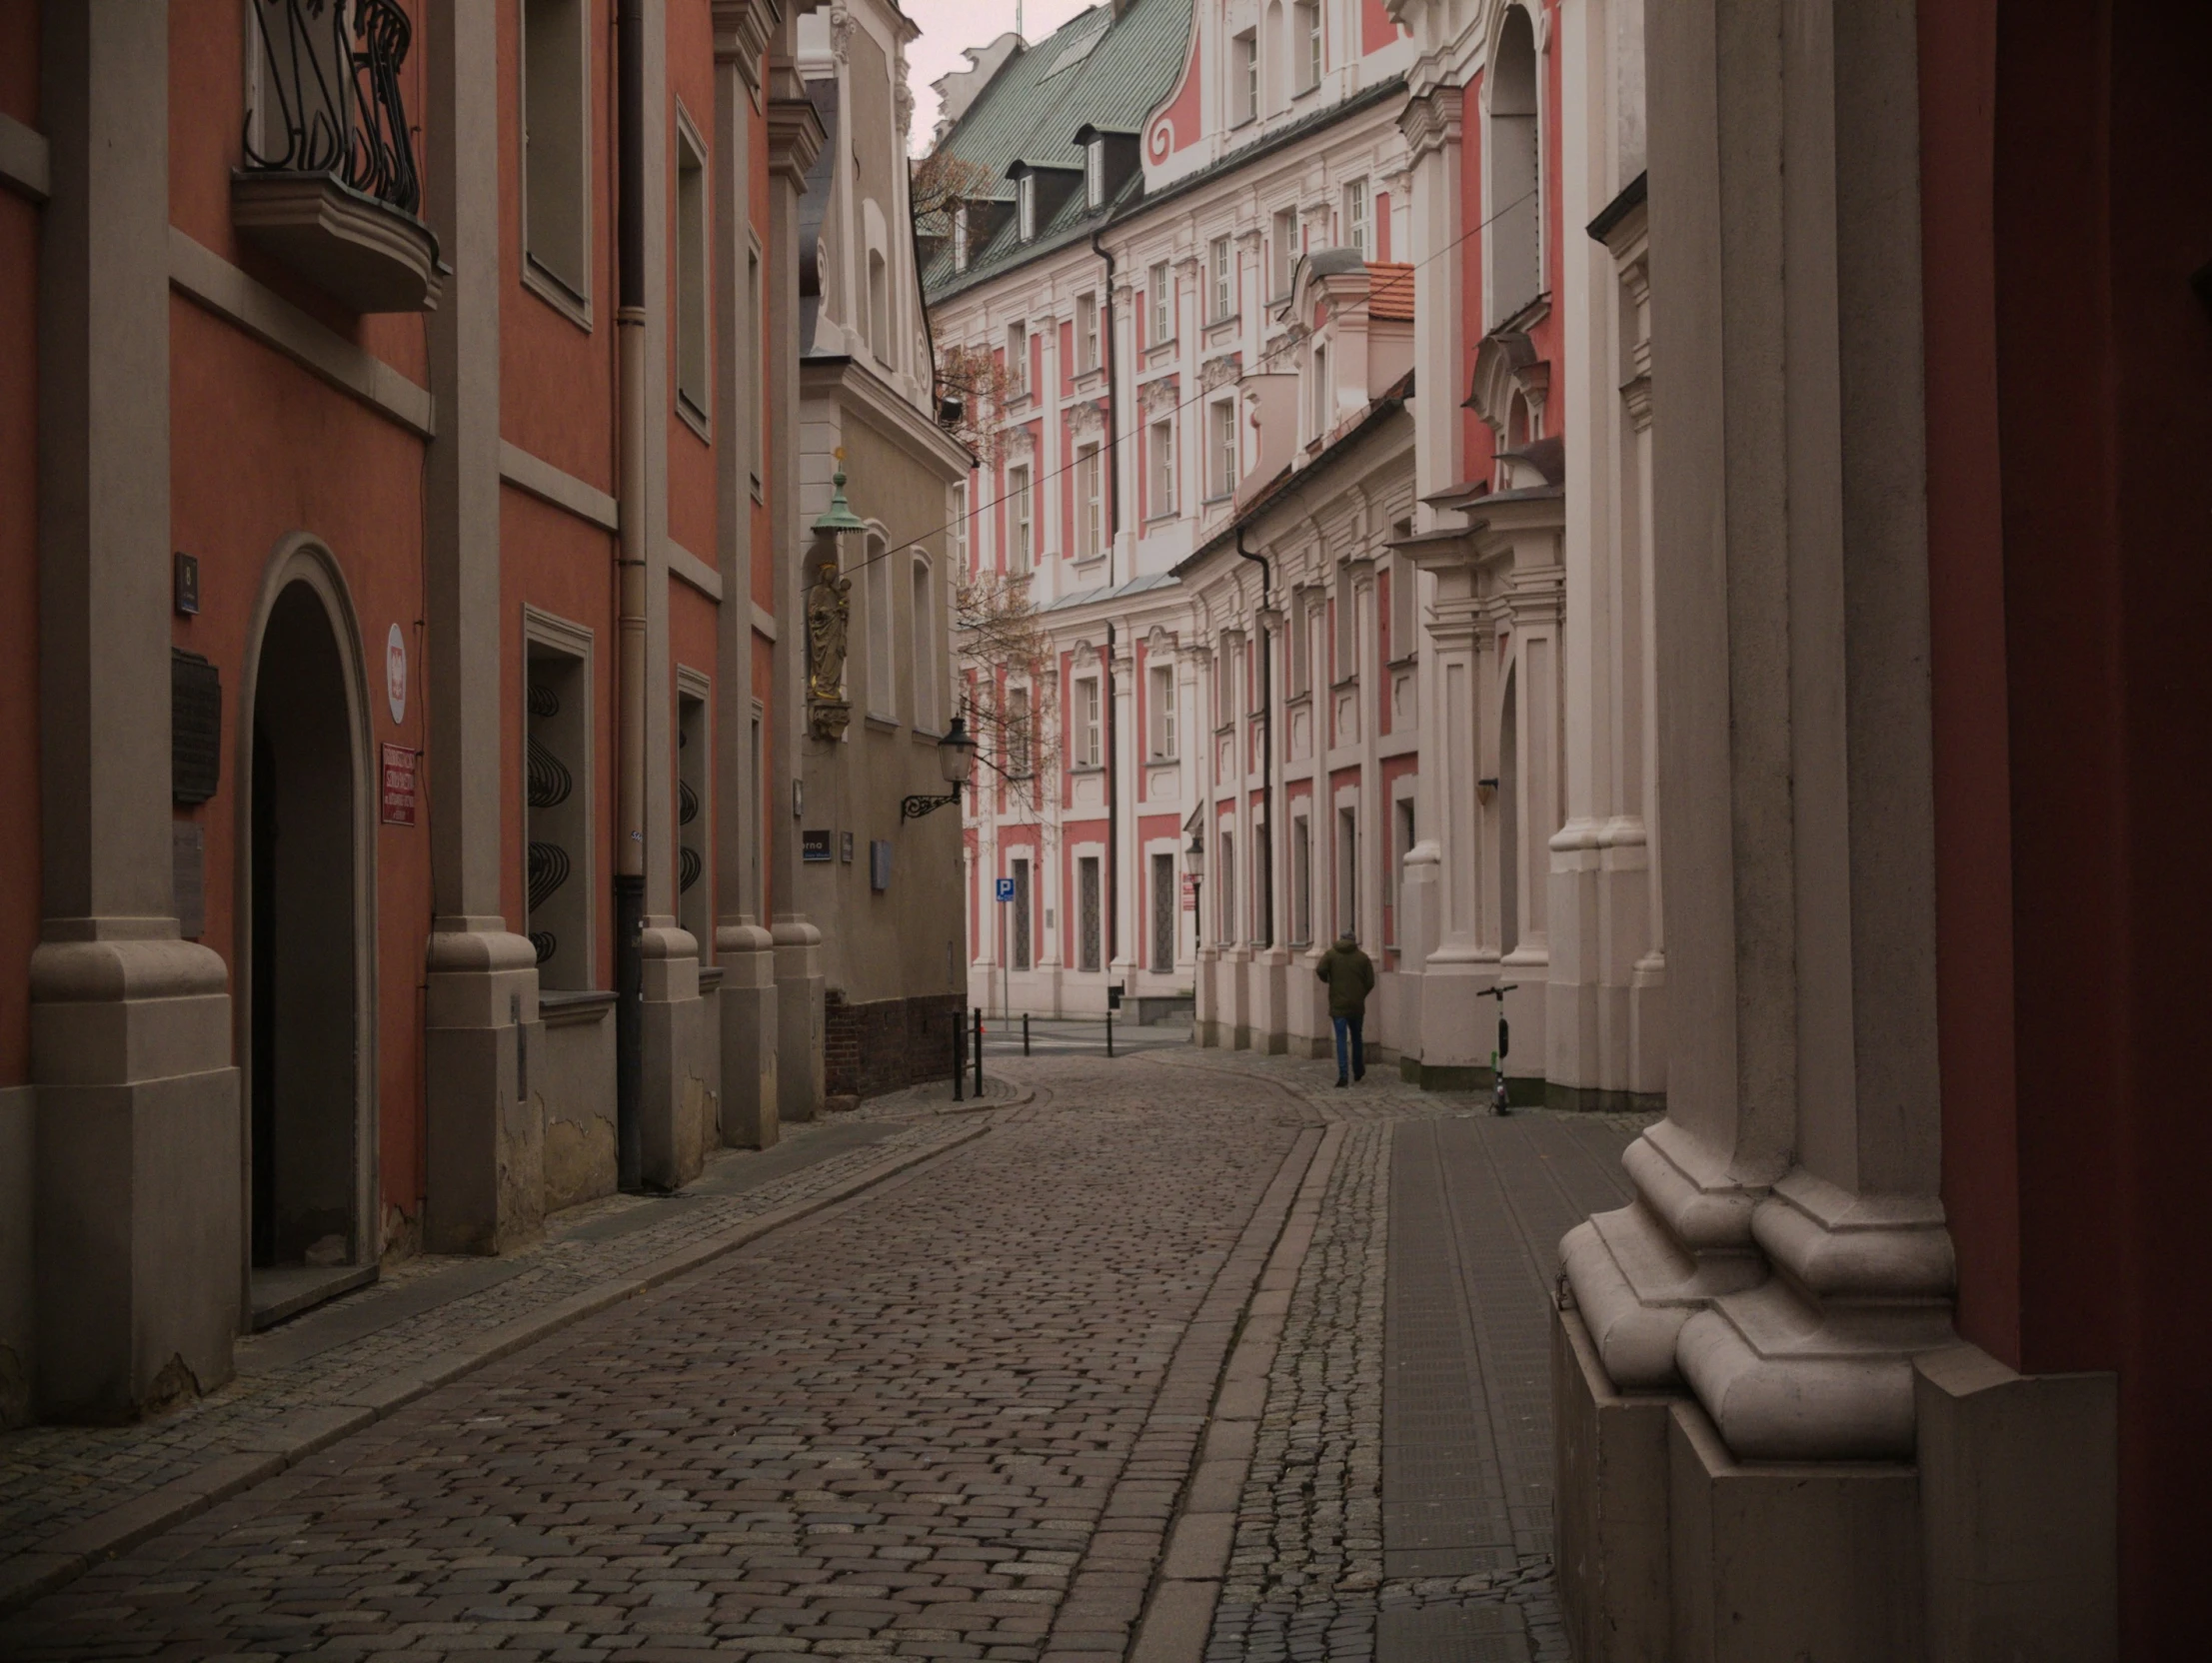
195 726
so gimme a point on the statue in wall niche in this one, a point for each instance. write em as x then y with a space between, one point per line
829 611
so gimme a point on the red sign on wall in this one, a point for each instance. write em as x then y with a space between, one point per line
397 792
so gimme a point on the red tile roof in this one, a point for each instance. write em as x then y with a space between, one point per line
1390 290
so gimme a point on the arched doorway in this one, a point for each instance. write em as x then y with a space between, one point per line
308 1234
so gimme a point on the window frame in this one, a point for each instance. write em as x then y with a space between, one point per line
1221 257
1285 248
1359 220
1021 520
540 270
693 234
1089 501
1086 333
1223 449
1163 302
1159 464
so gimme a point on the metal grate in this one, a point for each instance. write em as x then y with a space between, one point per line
1088 878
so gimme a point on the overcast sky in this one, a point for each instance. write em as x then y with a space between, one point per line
949 26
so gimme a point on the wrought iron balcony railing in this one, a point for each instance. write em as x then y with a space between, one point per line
333 105
328 110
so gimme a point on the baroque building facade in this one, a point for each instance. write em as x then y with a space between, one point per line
404 542
1716 489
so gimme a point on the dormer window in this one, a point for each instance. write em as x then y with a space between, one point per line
1308 35
1093 174
959 237
1244 77
1026 208
1320 391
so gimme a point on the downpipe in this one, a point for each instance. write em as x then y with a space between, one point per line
630 643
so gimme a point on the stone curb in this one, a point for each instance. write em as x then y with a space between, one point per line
292 1439
1178 1614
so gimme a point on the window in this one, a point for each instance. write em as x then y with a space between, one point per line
1405 581
1026 207
1321 403
1164 914
557 171
692 353
1163 304
923 628
1224 924
1347 870
1243 78
1316 644
693 894
1094 175
755 347
1224 279
558 802
1346 642
1308 37
1089 749
959 237
1086 333
1283 247
1019 924
876 586
1160 459
757 834
1404 841
1087 888
1160 711
1019 553
878 307
1089 502
956 539
1301 657
1356 219
1301 881
1016 745
1512 155
1018 360
1221 441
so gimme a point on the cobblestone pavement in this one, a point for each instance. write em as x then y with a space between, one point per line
53 1477
895 1426
1399 1500
941 1419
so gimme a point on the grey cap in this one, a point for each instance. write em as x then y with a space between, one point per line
1347 939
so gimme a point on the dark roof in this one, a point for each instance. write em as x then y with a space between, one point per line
1098 71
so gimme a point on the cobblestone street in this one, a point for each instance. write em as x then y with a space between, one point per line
1185 1356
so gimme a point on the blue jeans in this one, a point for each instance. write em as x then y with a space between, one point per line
1347 1030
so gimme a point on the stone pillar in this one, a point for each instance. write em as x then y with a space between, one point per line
485 1153
1785 1257
137 1128
672 1080
1456 1044
794 138
745 951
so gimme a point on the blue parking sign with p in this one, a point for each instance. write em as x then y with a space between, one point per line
1006 888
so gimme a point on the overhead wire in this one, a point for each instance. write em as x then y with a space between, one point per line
1114 441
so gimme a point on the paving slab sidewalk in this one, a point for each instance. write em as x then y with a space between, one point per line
72 1496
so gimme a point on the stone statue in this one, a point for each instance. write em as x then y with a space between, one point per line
829 606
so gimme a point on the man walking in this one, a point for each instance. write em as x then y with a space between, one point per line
1351 977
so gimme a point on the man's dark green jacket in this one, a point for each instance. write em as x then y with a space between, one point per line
1351 977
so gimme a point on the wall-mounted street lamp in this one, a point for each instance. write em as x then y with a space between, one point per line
956 759
1193 861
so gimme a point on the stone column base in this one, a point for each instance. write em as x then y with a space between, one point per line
800 1082
678 1115
482 1044
750 1119
1999 1543
139 1210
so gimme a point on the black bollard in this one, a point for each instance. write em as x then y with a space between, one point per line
959 1061
1109 1030
978 1054
1024 1033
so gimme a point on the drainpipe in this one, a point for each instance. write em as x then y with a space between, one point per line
1113 536
630 317
1267 739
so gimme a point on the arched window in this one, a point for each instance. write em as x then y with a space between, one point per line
1516 164
878 307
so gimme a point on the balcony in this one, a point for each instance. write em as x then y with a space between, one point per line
330 185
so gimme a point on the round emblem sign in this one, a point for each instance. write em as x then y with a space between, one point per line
395 673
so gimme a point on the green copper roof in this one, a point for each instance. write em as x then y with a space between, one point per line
1096 70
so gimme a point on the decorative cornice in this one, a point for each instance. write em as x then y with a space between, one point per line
743 30
794 138
1219 372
